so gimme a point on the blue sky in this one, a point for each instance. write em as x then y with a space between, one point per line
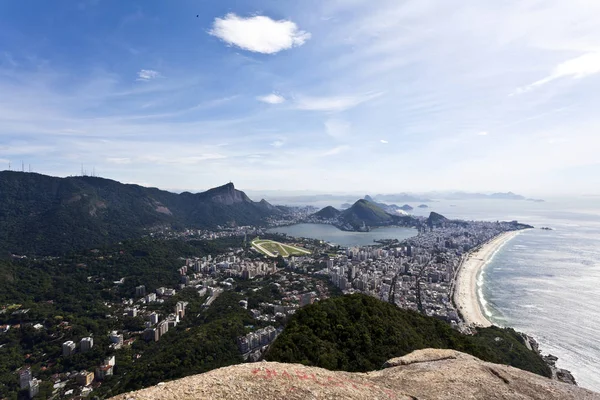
337 95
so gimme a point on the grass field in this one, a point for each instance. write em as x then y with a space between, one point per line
272 248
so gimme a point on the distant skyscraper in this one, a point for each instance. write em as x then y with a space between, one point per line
140 291
154 318
305 299
86 344
115 337
24 377
85 378
68 348
34 388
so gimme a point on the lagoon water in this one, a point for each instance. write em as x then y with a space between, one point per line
544 283
330 233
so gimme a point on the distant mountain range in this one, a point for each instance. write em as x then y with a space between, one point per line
46 215
346 201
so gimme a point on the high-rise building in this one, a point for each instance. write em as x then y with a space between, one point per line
115 337
305 299
24 377
180 309
34 388
86 344
343 283
151 297
110 361
131 312
103 371
151 334
85 378
162 328
68 348
154 318
140 291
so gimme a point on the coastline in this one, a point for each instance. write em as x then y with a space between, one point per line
466 295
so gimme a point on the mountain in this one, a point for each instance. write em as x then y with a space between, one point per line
358 333
328 213
389 208
436 219
479 196
422 374
406 207
364 214
269 207
48 215
402 198
507 196
423 206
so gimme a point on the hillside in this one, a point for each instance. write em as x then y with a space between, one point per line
48 215
358 333
388 208
423 374
436 219
364 213
328 212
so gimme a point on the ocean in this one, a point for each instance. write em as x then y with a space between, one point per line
544 283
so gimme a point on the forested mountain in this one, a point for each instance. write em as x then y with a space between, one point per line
358 333
46 215
364 214
328 212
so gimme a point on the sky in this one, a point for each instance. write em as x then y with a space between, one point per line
340 95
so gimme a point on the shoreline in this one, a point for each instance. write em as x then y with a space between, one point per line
466 296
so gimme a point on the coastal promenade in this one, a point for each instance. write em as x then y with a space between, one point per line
465 292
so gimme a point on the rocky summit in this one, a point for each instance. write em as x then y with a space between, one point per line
423 374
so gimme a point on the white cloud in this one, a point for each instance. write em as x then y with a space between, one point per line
384 141
335 103
482 133
277 143
259 34
337 128
576 68
271 99
147 75
335 150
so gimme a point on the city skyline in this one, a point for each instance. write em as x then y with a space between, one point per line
323 97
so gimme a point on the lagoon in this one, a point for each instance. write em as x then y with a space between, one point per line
331 234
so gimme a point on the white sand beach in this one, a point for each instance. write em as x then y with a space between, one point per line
465 292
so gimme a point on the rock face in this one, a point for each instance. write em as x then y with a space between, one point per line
423 374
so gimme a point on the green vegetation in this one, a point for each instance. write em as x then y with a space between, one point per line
208 342
365 213
328 212
359 333
76 289
46 215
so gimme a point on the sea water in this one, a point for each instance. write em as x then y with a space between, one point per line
546 283
543 283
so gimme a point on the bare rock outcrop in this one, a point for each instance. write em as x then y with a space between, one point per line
423 374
